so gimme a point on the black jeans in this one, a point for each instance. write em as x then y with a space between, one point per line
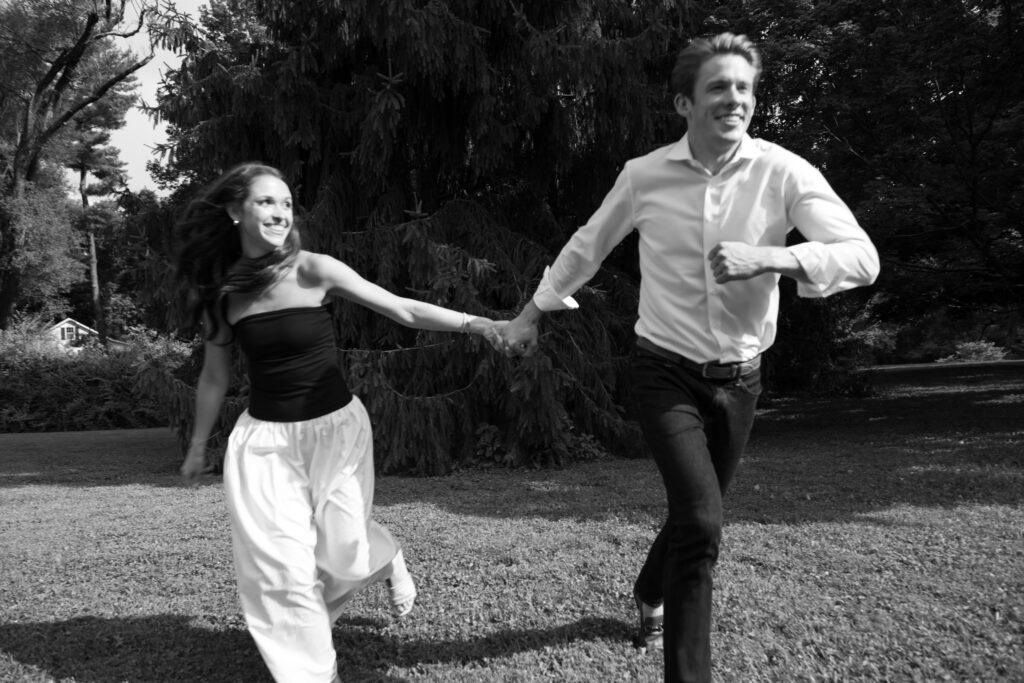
697 429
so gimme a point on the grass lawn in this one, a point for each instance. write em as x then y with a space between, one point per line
877 539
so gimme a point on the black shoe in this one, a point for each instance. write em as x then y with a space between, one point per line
649 635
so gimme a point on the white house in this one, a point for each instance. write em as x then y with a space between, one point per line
69 331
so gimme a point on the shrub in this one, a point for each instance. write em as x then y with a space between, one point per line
974 351
44 387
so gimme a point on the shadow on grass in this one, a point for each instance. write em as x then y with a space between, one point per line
809 459
919 441
170 648
114 457
928 444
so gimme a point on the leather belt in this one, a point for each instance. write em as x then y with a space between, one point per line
711 370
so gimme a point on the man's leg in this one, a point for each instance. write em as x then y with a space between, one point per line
696 430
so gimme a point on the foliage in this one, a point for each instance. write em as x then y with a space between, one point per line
973 351
84 143
447 149
412 158
47 255
89 154
922 131
919 130
45 387
59 61
173 385
143 263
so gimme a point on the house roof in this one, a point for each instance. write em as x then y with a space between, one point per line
71 321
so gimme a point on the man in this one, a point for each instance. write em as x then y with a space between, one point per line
712 212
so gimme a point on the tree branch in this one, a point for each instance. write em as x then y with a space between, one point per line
97 94
125 34
68 60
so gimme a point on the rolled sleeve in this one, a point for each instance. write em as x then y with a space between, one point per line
582 255
835 267
838 255
547 299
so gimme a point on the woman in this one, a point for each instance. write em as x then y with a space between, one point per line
298 471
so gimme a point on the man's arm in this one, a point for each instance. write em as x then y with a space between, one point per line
741 261
838 254
577 262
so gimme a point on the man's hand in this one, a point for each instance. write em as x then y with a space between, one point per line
741 261
738 261
520 335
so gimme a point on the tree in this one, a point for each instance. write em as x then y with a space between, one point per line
88 152
142 264
921 131
48 249
47 47
415 135
448 148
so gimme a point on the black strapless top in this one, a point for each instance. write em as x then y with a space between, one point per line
294 373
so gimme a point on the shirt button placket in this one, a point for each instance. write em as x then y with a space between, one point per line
712 236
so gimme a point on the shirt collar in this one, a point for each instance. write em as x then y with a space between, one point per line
681 150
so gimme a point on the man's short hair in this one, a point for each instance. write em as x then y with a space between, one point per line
700 50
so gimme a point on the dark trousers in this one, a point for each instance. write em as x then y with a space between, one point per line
697 429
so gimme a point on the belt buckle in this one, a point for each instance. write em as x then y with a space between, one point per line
731 371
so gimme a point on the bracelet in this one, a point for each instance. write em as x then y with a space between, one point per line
466 320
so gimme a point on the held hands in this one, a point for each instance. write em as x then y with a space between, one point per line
519 337
491 330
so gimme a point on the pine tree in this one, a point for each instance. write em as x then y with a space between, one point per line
433 144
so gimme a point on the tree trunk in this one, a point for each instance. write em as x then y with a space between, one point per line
99 319
10 278
9 286
97 303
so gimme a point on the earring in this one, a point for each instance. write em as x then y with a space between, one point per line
235 221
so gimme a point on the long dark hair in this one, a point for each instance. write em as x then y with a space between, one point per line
210 260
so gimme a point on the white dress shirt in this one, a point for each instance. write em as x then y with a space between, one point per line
681 212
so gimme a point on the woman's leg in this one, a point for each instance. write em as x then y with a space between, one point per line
352 550
274 541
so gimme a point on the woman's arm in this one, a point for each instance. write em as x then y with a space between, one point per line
214 379
340 280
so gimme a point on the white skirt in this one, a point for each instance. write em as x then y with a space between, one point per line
300 497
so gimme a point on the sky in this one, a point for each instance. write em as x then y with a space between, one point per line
140 134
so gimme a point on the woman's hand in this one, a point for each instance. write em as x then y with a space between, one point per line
490 330
493 334
195 463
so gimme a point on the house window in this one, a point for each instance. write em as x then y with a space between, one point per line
67 333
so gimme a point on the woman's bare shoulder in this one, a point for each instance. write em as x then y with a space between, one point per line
315 264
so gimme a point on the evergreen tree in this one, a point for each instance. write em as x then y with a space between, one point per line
447 149
428 143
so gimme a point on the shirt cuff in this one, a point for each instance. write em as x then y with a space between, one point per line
812 260
547 299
